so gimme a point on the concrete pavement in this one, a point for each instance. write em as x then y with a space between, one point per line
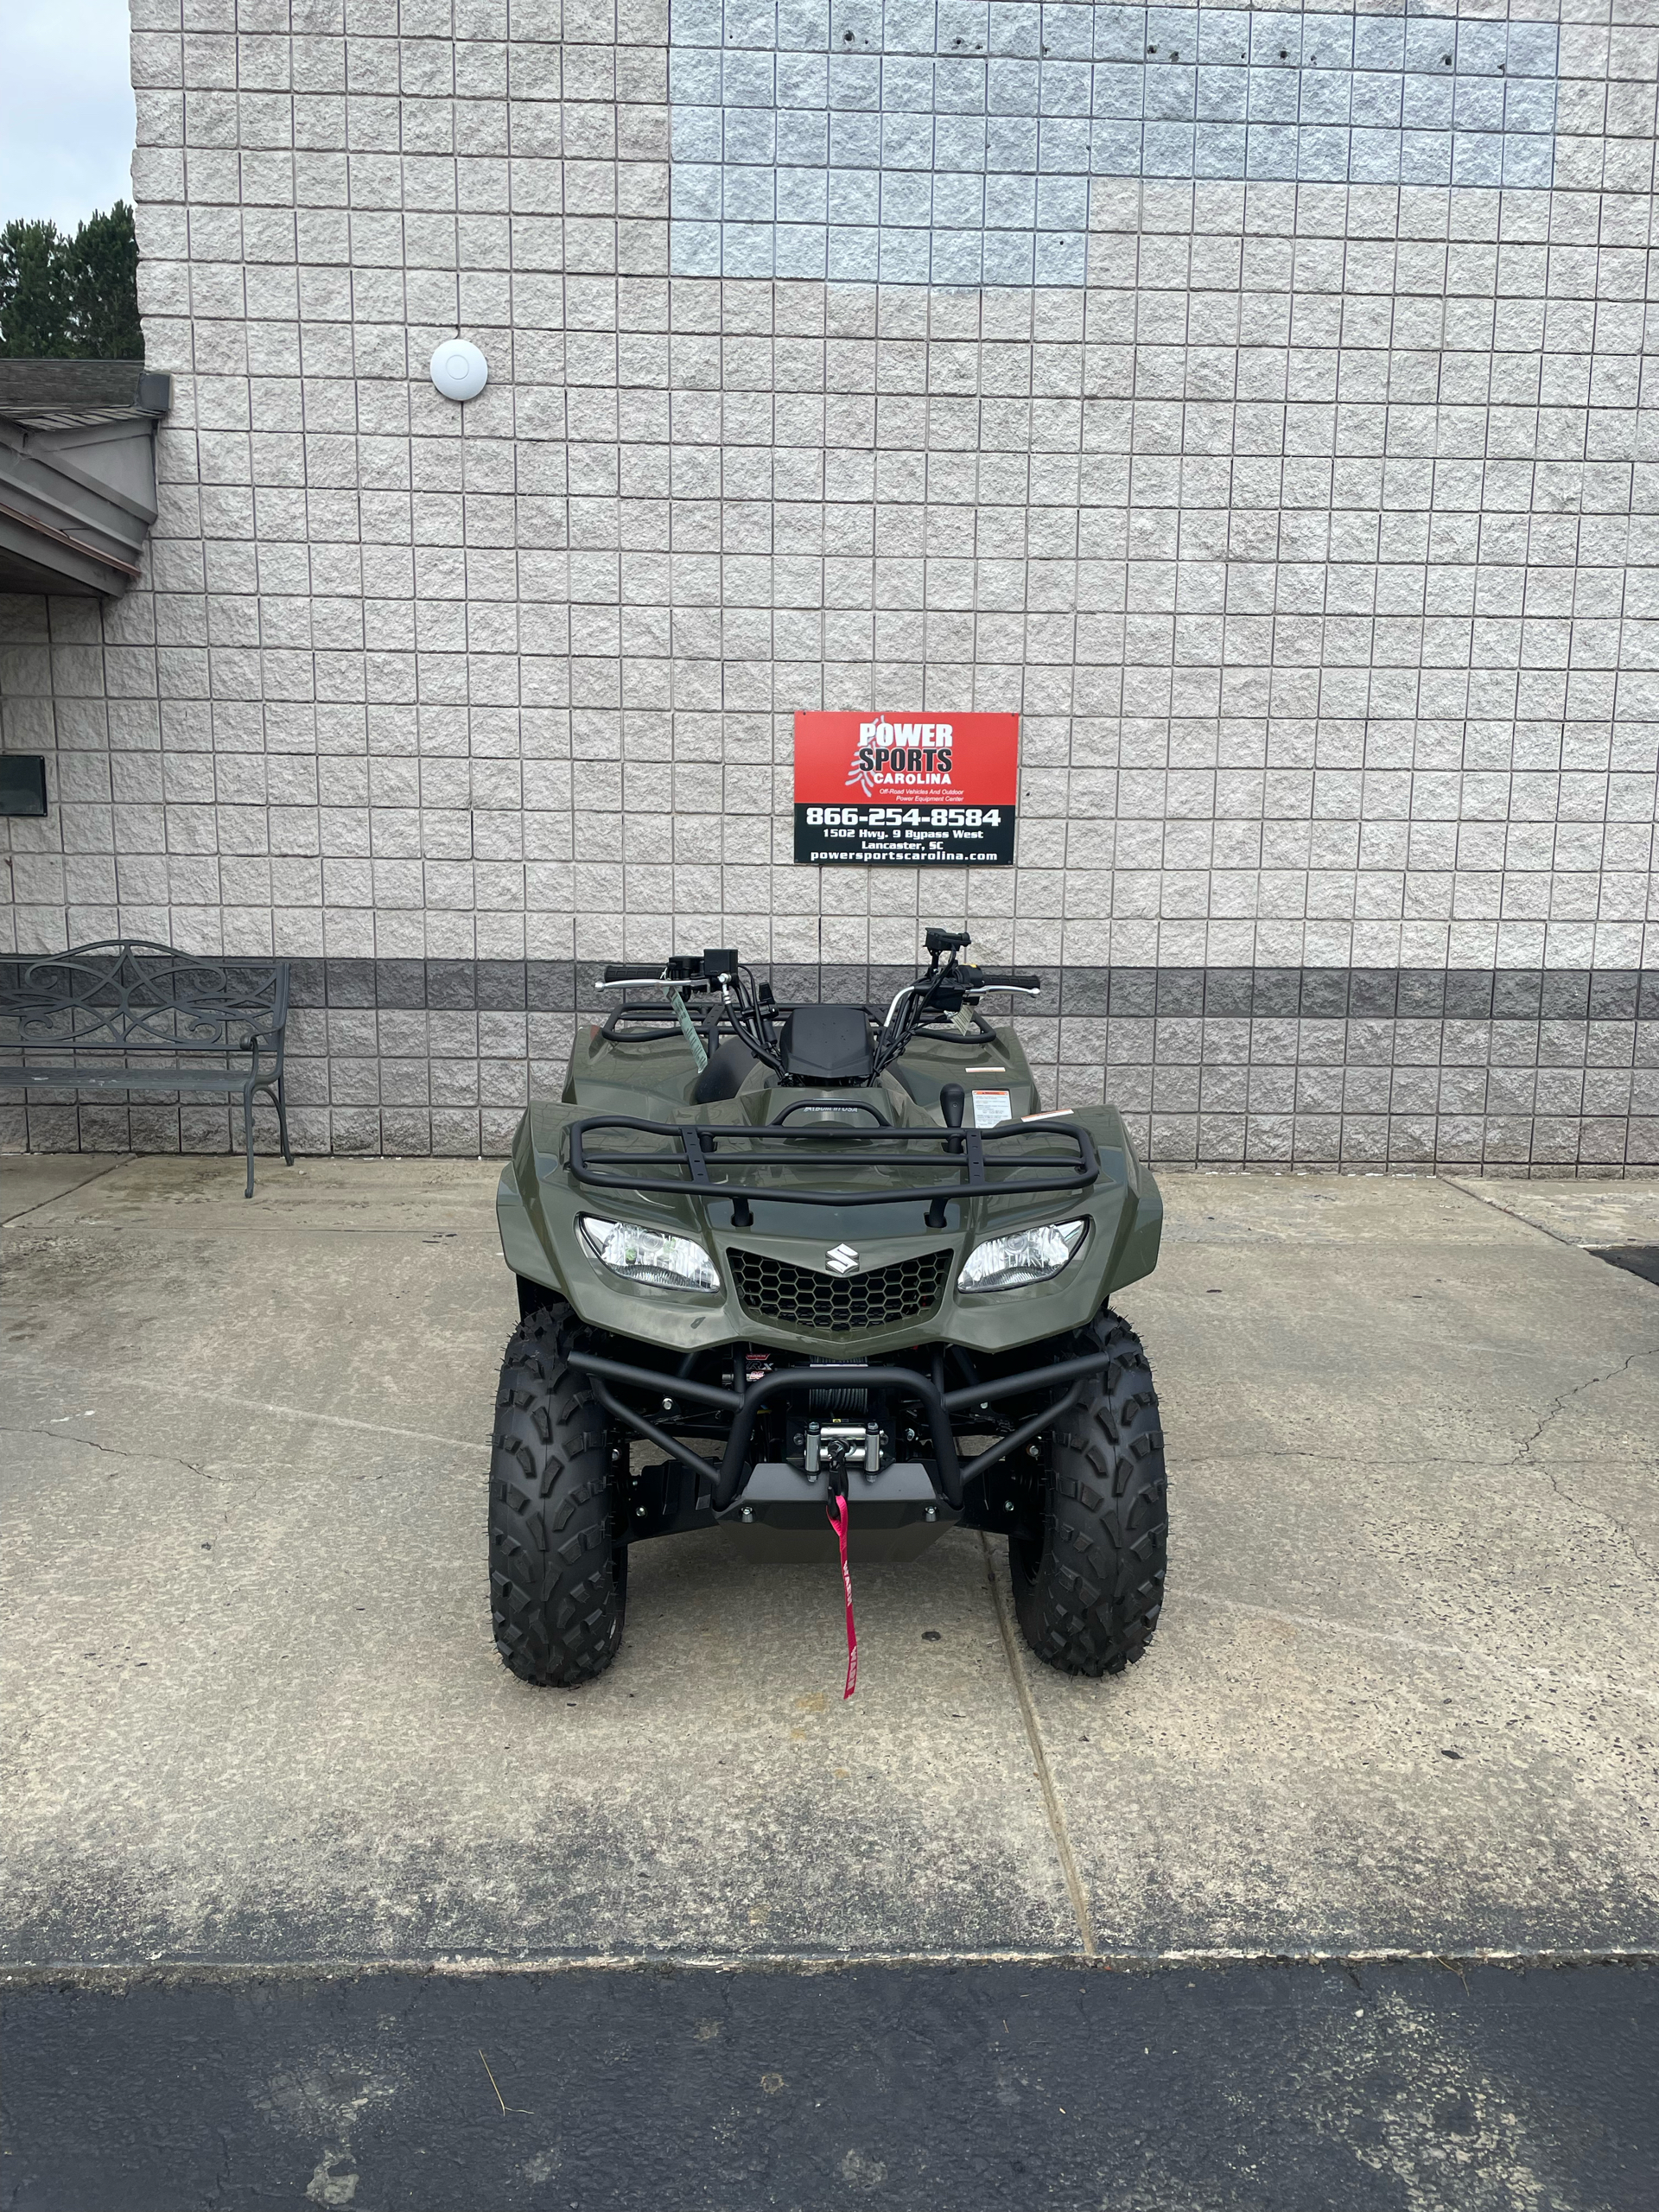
1404 1695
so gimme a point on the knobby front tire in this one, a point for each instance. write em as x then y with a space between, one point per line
558 1571
1087 1594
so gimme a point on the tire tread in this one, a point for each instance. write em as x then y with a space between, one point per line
1088 1601
558 1575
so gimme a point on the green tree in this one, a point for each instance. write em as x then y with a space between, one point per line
104 288
34 306
75 298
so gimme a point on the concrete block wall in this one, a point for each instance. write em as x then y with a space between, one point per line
1308 515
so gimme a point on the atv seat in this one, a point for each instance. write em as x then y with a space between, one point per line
724 1076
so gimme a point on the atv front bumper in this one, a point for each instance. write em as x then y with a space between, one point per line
948 1473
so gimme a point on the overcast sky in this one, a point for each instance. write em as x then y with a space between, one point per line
65 108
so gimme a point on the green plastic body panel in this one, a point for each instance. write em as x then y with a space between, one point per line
539 1204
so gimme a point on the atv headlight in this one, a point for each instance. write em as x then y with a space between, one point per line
649 1256
1029 1255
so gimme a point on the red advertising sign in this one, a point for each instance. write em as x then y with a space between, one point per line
907 789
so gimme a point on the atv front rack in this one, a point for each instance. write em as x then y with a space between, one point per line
937 1405
710 1163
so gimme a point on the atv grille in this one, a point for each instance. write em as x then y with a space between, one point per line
775 1290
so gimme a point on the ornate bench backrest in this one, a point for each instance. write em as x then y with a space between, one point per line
127 995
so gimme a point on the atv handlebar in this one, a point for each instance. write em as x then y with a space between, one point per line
993 980
753 1017
682 970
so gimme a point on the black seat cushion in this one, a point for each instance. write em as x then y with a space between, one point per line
723 1076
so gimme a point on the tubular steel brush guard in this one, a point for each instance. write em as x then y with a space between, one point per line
903 1383
899 1307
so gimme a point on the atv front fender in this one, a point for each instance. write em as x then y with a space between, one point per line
525 1252
539 1201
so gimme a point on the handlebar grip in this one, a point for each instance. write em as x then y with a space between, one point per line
994 979
625 972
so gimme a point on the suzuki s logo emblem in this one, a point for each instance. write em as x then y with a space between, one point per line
841 1259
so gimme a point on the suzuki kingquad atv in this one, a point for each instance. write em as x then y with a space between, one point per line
837 1270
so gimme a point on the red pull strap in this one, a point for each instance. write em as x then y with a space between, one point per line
839 1518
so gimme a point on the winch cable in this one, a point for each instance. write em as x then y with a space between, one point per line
838 1522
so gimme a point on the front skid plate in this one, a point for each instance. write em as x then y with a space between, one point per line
774 1482
782 1515
771 1544
888 1519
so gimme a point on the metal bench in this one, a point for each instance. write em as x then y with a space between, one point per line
129 1015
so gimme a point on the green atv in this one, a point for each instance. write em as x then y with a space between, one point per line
839 1271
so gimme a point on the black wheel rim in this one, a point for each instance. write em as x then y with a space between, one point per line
1025 1559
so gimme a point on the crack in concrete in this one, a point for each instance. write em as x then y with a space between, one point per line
1619 1527
1557 1406
114 1451
1520 1456
1553 1412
